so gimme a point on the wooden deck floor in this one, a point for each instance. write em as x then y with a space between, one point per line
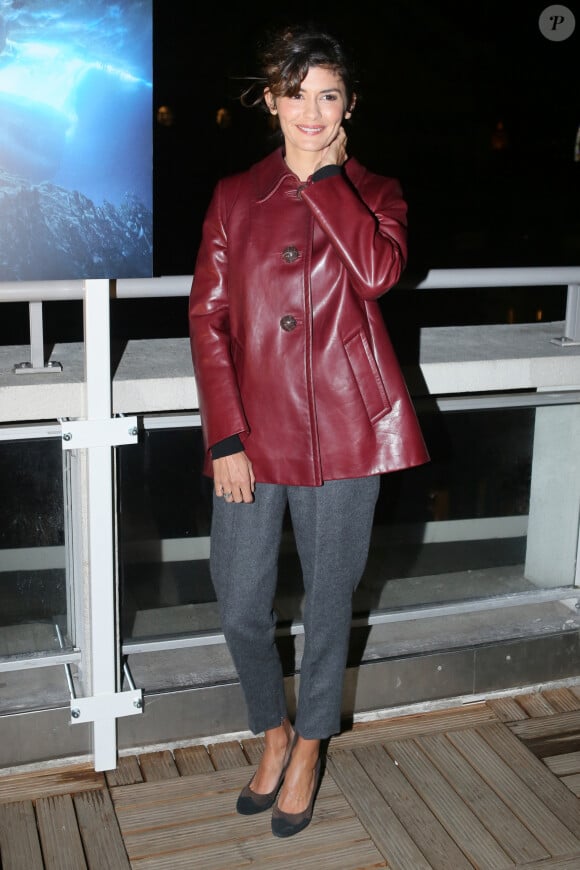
490 786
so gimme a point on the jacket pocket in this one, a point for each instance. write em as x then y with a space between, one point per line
367 376
237 355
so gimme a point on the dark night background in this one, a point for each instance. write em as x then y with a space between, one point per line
436 79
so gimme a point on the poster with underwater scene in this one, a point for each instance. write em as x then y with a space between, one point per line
76 161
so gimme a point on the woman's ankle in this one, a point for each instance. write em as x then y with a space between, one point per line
279 737
306 749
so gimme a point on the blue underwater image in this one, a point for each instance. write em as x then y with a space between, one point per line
76 160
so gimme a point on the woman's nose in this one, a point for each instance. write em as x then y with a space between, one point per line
311 108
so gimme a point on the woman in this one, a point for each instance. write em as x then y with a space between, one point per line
302 399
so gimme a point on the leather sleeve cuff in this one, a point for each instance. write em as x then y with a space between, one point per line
326 172
232 444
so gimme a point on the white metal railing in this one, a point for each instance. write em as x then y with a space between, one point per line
37 292
100 647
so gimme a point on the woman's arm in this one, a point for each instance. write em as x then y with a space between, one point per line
367 227
219 398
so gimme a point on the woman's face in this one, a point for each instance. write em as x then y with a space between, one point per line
312 118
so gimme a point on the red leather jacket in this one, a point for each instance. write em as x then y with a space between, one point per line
290 350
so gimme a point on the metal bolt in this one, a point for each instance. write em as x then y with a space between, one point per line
76 713
439 667
508 658
133 431
67 436
138 703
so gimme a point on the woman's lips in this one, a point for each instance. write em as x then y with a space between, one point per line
310 131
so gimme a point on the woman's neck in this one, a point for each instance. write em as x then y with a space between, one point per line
302 165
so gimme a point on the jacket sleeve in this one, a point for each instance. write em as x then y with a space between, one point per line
219 397
366 226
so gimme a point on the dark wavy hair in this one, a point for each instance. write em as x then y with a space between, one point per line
288 54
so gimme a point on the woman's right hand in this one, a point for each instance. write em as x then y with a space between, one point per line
233 478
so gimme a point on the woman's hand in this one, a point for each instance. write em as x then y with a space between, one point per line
233 478
335 153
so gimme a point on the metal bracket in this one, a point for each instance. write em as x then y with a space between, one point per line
27 368
571 337
110 432
563 341
112 706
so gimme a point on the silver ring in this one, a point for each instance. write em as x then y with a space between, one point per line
228 494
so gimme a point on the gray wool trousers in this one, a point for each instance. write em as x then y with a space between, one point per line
332 526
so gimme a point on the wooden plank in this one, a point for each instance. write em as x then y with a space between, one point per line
153 793
19 843
163 838
563 765
507 709
62 847
189 804
571 862
387 832
510 833
535 774
225 756
157 766
192 759
323 845
422 826
401 727
100 833
253 748
536 705
572 782
548 726
547 828
562 699
457 818
127 772
31 786
575 690
557 745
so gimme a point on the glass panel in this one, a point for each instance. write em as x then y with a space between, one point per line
164 521
455 528
452 530
33 590
34 689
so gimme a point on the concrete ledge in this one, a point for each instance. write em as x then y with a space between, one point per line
466 359
156 375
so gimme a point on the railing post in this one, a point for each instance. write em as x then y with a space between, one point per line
36 335
573 313
36 363
96 436
100 520
572 326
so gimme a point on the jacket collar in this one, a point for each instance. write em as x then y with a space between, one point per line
269 173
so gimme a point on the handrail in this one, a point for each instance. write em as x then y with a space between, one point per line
37 292
521 276
180 285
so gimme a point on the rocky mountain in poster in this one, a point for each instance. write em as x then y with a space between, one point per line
49 231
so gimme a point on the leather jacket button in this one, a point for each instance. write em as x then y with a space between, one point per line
288 323
290 254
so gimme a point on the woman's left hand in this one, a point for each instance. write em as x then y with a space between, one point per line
233 478
335 153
